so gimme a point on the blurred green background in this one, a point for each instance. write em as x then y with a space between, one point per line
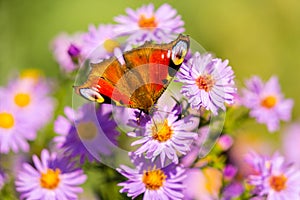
258 37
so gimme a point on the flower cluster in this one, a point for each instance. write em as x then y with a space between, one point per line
25 108
166 135
181 148
100 42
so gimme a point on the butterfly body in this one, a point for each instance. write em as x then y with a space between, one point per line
140 80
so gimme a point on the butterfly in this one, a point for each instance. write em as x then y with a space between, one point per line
138 77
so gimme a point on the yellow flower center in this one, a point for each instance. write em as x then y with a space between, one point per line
205 82
162 131
50 179
87 130
154 179
22 99
148 23
269 102
6 120
34 74
278 183
109 45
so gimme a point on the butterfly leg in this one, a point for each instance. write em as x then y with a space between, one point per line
138 118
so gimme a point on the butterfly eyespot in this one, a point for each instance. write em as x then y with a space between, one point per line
178 52
91 95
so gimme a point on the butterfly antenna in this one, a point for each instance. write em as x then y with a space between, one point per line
163 111
168 112
154 123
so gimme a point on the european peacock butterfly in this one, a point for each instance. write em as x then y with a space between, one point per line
138 78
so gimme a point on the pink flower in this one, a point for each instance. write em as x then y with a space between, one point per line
266 102
51 177
146 24
274 177
67 51
166 137
208 82
155 183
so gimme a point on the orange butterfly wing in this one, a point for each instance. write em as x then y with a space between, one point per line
140 81
150 63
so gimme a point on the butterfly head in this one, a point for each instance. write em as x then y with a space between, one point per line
180 49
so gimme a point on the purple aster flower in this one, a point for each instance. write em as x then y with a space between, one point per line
275 178
30 96
85 133
146 24
15 128
99 43
67 50
155 183
165 136
51 178
207 82
266 102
